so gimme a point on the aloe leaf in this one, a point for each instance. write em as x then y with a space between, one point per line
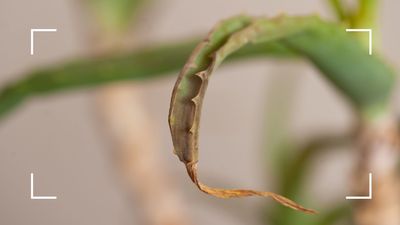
365 80
140 64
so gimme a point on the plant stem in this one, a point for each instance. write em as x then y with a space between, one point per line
378 154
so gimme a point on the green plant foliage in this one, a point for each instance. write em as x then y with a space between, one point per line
140 64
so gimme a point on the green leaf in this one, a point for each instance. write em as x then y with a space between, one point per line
291 173
140 64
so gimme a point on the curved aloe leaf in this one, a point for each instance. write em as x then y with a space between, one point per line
364 79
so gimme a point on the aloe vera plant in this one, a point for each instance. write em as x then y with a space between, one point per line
366 81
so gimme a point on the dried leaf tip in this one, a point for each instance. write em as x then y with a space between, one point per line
237 193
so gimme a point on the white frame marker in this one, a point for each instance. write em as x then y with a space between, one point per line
369 197
38 30
33 197
369 34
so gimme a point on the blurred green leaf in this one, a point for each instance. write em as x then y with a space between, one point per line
291 170
340 213
140 64
329 216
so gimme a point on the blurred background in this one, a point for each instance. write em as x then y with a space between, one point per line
253 108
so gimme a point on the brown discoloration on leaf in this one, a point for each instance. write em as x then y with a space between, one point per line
188 95
190 87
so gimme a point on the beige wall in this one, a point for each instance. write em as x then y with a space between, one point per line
59 137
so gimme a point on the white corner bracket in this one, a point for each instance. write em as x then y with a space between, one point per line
369 35
33 197
38 30
369 197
